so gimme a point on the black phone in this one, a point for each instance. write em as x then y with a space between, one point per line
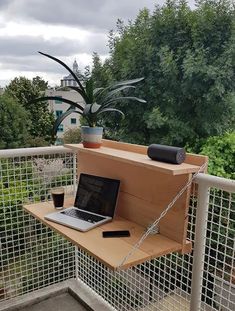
116 234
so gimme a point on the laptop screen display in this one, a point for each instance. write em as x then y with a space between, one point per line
97 194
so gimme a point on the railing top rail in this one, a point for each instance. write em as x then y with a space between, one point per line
21 152
216 182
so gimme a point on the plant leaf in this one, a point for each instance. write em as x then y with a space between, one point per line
81 92
124 98
95 107
97 90
66 67
121 83
113 92
86 109
111 110
89 90
67 101
62 117
127 82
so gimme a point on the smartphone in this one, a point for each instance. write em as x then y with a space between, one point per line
116 234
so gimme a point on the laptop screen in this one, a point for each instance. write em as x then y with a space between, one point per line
97 194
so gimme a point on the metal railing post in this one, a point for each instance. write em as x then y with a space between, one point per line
74 172
205 182
76 262
74 193
199 246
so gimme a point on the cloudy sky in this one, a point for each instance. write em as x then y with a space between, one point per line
67 29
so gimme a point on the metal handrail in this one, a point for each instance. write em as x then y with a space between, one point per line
216 182
205 182
21 152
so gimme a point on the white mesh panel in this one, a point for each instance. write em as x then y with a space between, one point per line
165 283
31 255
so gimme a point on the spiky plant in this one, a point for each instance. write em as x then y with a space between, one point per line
96 100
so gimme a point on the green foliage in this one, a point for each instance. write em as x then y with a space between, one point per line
21 181
36 142
97 100
221 153
187 59
13 124
40 83
100 72
24 91
72 136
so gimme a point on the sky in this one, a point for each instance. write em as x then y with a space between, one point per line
67 29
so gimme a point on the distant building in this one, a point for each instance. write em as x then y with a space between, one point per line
58 107
1 90
69 80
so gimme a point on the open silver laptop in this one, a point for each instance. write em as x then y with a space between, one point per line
94 204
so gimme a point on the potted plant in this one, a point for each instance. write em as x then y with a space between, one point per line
96 102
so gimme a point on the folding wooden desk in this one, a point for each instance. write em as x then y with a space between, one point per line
147 187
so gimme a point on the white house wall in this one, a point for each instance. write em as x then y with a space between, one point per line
60 106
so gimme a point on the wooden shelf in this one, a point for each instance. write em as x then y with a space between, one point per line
138 158
147 186
110 251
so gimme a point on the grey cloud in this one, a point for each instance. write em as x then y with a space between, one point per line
37 63
3 83
29 45
4 3
30 63
98 15
20 52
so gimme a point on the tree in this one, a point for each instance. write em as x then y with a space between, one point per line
100 72
221 153
14 123
40 83
187 59
24 91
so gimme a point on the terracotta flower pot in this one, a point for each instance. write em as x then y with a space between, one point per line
91 136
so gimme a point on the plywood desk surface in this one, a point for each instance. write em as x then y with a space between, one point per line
137 158
110 251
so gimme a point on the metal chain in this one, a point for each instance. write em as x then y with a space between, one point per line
163 213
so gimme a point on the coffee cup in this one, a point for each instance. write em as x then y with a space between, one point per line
58 197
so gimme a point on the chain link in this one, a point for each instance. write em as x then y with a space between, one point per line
154 225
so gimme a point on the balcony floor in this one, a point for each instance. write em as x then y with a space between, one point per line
62 302
69 295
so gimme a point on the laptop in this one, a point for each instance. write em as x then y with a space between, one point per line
94 205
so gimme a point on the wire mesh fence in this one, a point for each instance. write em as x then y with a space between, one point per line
165 283
219 269
31 255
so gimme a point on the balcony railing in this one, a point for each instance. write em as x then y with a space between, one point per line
32 256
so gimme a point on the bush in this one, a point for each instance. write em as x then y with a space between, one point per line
221 153
72 136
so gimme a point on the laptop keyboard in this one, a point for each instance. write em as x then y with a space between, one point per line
83 215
